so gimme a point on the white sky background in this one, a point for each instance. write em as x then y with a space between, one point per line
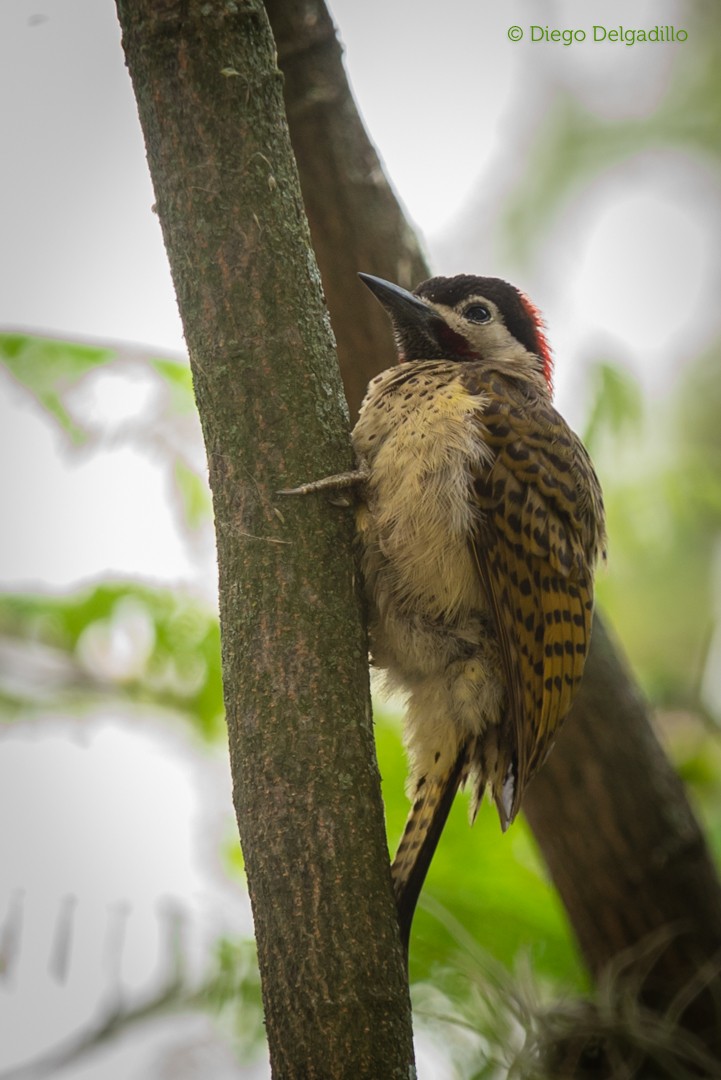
452 105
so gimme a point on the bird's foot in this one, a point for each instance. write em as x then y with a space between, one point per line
341 484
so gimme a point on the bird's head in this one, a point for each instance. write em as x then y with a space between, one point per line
466 318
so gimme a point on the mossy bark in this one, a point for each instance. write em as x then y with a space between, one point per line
306 784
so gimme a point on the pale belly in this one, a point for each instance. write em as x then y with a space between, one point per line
430 626
428 608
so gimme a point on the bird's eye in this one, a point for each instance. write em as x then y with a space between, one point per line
477 313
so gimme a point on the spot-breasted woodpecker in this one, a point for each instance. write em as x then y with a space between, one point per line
481 521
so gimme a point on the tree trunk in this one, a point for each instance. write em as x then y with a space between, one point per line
625 849
608 811
355 220
306 784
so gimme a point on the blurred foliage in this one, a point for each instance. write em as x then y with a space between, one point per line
616 405
180 381
125 640
232 992
572 147
157 416
49 369
512 1024
661 469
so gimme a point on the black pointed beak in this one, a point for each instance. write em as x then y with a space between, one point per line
418 329
403 307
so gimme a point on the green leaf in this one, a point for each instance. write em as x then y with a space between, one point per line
194 494
179 381
49 369
234 989
617 403
176 664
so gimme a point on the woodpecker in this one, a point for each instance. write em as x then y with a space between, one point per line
480 520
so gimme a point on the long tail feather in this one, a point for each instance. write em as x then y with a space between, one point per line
434 798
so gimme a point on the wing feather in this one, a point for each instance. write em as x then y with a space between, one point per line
540 530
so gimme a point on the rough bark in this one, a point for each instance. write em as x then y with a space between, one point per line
608 811
306 784
360 226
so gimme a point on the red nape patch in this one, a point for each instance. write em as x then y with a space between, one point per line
543 348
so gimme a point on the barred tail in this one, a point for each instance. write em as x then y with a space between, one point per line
433 801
